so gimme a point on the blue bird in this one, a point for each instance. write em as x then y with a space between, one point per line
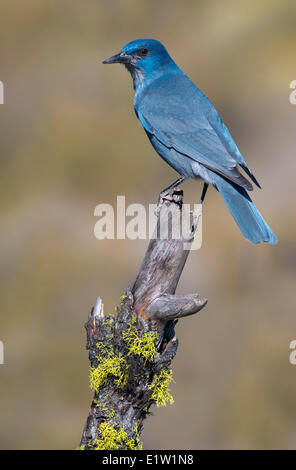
187 132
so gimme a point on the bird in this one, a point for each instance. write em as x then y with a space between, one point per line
187 132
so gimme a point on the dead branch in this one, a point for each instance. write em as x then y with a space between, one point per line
131 352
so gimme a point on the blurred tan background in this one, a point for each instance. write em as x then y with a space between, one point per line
69 141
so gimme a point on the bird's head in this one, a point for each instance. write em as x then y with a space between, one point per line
141 57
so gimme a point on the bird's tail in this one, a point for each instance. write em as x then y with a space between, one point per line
244 212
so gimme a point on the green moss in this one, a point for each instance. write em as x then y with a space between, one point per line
112 365
160 388
141 344
112 439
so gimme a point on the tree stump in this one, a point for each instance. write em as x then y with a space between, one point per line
131 351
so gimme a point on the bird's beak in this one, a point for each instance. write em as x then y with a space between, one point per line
116 59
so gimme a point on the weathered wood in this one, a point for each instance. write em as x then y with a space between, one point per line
169 307
131 352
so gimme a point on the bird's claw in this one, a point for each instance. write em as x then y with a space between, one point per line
163 196
172 196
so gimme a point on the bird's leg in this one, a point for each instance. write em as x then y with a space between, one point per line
167 190
204 192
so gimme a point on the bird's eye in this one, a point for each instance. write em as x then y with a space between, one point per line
143 52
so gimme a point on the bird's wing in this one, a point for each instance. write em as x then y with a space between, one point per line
180 116
227 140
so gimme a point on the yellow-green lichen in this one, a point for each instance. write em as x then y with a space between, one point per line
112 439
112 365
108 413
134 444
160 388
141 344
82 447
109 321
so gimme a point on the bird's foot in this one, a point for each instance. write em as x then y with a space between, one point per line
165 196
172 195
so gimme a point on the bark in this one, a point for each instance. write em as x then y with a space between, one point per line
131 352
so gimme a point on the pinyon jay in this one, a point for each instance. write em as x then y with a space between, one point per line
187 132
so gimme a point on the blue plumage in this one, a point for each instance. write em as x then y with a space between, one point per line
186 131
